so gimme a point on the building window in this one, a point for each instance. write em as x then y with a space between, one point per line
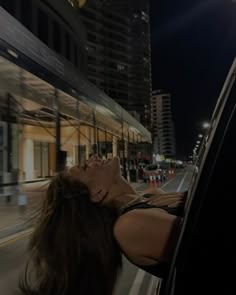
56 33
89 14
91 59
43 24
75 54
144 17
120 67
68 46
10 6
1 136
91 37
91 49
26 13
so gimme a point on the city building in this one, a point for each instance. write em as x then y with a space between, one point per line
119 58
51 115
163 130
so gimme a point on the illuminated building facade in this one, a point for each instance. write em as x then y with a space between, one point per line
51 115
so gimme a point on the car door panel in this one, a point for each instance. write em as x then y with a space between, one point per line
205 252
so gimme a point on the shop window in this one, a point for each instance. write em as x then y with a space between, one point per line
41 159
81 154
105 147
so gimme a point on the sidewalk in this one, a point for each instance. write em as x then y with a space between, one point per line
12 220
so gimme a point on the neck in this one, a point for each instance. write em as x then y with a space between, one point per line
120 193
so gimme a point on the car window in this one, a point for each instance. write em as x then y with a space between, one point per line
208 224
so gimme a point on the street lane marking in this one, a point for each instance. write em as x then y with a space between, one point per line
151 285
13 238
137 283
182 181
167 182
180 185
6 228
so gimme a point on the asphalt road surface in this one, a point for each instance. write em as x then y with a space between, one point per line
132 280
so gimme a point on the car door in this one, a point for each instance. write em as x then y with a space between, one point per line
205 257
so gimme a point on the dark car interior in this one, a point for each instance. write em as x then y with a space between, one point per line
205 257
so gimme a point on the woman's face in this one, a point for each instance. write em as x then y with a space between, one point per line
98 175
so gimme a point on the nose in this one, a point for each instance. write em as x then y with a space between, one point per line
95 158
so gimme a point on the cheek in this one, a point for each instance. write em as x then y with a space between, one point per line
104 179
108 179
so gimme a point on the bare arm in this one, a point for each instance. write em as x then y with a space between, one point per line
147 236
170 199
154 190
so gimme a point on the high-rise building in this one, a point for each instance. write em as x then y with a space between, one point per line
118 34
163 130
51 115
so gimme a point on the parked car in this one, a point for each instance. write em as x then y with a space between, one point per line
153 170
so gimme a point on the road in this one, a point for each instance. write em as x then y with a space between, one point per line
132 280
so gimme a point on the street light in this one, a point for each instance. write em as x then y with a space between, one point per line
205 125
200 135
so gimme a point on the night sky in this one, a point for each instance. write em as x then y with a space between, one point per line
193 46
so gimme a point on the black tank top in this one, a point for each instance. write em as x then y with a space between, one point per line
178 211
161 269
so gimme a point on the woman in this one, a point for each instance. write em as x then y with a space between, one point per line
89 214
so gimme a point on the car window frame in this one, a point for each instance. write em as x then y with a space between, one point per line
205 149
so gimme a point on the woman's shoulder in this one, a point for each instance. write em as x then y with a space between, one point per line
140 221
144 233
141 215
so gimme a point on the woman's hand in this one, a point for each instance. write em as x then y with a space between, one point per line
171 200
154 191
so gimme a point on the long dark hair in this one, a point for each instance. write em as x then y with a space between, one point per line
72 249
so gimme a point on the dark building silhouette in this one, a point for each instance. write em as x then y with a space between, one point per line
118 34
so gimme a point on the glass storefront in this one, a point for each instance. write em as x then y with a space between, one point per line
41 159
